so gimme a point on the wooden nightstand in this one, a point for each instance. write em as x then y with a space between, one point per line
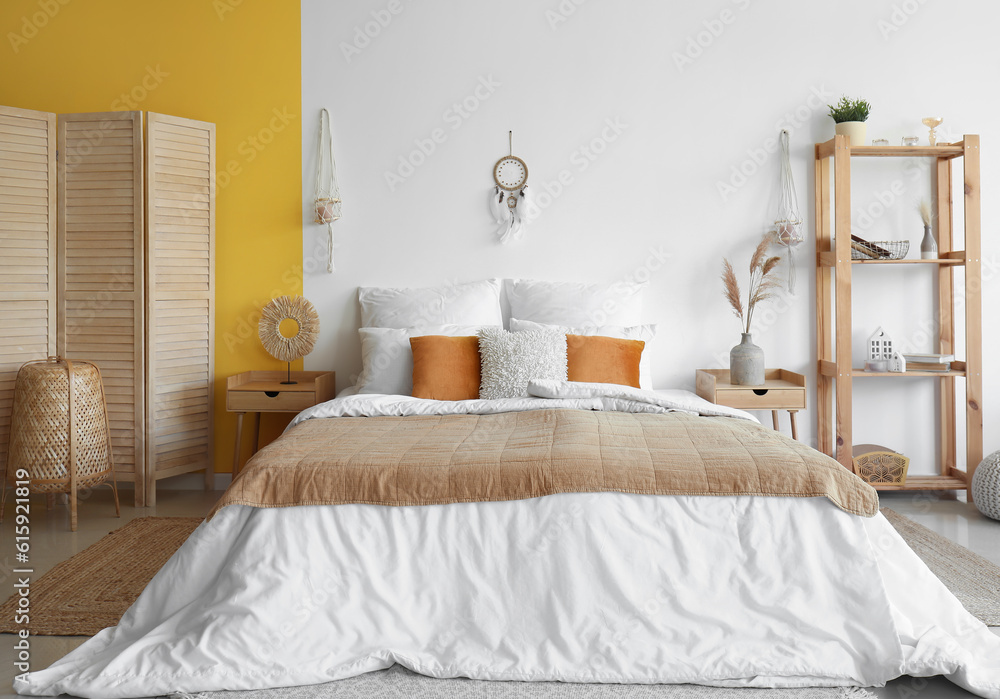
262 392
782 390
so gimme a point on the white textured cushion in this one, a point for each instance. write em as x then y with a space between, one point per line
646 333
387 360
511 360
575 304
474 303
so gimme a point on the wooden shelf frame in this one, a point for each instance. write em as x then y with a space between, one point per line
834 267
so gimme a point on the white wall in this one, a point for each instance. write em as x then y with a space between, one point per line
558 73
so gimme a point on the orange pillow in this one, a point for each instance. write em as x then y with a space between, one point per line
599 359
445 368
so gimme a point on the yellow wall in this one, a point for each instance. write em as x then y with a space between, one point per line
232 62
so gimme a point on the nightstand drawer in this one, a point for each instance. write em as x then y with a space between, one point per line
269 401
763 398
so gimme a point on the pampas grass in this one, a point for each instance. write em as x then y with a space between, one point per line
762 283
925 211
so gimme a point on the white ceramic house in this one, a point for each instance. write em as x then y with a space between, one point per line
880 346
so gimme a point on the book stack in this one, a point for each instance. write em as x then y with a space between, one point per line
928 362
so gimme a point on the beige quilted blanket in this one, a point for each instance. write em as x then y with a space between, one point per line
429 460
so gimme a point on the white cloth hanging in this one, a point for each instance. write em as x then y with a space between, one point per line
328 203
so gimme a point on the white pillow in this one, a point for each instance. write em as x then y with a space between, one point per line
646 333
387 360
511 360
576 304
475 303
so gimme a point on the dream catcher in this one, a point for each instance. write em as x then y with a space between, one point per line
327 189
788 223
510 201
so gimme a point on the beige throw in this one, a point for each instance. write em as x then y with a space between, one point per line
432 460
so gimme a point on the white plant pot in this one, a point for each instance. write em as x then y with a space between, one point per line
857 131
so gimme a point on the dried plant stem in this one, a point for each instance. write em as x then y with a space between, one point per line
762 284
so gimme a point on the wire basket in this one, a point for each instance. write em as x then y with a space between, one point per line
879 249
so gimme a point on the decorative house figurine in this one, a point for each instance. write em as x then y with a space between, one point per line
897 364
880 346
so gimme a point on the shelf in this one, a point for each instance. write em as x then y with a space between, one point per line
909 262
952 258
943 150
904 374
927 483
958 369
953 184
947 150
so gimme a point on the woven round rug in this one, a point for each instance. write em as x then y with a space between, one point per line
91 590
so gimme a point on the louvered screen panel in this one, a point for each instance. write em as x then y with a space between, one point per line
180 245
27 248
101 277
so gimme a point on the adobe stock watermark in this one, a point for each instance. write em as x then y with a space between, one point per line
740 174
563 11
224 7
900 15
865 215
699 42
23 571
134 97
364 34
545 194
453 117
253 145
32 24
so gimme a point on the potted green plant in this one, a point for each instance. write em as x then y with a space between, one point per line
850 117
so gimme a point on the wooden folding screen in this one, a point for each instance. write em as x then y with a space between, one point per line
100 269
180 308
27 248
115 264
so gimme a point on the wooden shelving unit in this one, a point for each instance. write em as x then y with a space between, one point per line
835 369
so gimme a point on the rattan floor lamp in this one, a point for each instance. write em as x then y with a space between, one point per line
60 441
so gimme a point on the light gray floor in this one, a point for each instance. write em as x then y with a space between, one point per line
52 542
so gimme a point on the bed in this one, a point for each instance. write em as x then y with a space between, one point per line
583 532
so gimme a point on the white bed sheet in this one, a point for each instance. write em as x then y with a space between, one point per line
609 587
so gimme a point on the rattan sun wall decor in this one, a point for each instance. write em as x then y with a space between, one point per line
292 347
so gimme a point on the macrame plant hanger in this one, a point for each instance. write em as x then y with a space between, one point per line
788 222
327 189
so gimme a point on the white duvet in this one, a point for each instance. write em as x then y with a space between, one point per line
607 587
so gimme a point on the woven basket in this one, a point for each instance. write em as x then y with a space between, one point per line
880 465
59 432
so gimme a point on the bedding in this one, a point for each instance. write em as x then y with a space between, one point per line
574 303
472 303
446 368
387 359
397 459
510 360
729 590
646 333
599 359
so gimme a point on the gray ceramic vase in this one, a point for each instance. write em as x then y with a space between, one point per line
746 363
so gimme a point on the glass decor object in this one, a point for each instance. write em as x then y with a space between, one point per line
880 142
932 123
911 141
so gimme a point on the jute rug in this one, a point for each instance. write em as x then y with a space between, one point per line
969 576
399 683
91 590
